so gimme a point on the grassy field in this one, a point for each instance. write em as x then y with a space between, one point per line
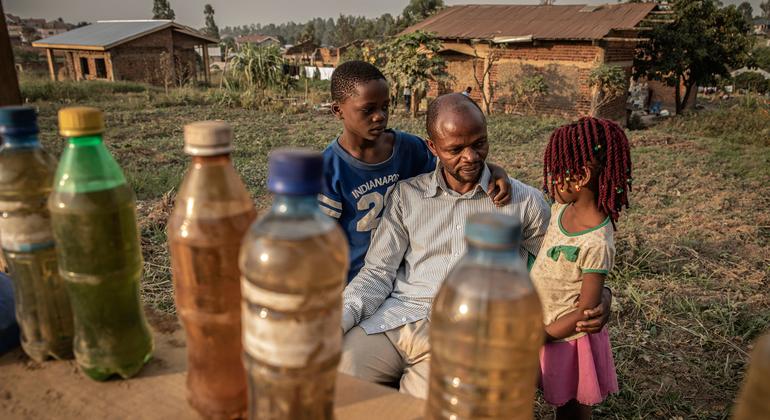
691 280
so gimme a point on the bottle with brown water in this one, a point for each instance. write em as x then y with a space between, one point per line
754 399
211 214
26 179
294 265
486 329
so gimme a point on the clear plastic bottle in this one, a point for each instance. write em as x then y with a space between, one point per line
486 329
754 400
93 214
294 262
26 176
212 213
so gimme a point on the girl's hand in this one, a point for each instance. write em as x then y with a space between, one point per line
499 188
595 319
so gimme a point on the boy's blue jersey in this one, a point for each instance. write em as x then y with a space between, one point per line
355 192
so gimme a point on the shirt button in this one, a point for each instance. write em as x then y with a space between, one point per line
382 327
457 254
458 227
403 319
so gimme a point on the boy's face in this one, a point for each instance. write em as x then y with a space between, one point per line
462 145
365 113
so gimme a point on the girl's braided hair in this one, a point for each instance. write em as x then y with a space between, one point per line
591 140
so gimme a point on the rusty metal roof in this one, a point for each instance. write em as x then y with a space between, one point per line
568 22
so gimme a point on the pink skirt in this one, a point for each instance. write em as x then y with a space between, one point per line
582 369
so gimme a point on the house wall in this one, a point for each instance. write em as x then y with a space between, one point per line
565 66
148 59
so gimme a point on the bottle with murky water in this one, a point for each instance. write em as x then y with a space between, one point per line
486 329
212 213
93 214
754 399
294 261
26 176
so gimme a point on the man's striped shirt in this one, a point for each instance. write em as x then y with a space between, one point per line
419 240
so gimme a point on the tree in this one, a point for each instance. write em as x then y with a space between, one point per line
418 10
211 27
761 57
413 61
747 11
765 6
161 9
308 34
484 83
607 83
699 44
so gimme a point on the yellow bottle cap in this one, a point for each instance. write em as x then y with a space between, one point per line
80 121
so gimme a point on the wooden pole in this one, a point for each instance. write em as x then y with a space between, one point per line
206 75
51 69
9 84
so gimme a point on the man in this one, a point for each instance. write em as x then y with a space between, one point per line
419 239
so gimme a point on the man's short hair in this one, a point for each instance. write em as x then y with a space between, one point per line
349 75
450 101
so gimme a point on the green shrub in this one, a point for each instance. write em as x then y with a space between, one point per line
69 91
752 81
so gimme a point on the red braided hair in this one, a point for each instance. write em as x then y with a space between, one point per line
575 146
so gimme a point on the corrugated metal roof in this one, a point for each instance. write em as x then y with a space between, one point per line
574 22
103 35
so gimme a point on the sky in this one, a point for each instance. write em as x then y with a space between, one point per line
236 12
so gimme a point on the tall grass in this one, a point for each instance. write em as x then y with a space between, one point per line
33 90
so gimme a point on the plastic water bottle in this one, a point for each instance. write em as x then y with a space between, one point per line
213 210
93 214
486 329
754 400
294 262
26 176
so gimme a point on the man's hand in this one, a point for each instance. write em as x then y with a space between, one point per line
595 319
499 188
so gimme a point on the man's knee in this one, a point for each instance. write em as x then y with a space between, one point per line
369 357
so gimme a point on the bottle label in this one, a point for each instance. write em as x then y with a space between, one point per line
290 330
24 227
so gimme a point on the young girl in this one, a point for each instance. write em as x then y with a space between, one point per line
588 174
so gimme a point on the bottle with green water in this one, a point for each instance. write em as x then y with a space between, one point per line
26 175
93 214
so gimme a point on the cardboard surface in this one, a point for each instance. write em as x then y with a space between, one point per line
58 390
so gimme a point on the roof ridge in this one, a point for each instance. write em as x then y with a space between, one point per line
133 20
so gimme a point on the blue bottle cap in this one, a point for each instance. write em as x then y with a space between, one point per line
18 120
295 172
493 231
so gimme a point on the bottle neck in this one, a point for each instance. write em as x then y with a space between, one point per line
208 160
89 140
23 141
295 205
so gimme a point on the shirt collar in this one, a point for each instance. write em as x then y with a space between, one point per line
437 183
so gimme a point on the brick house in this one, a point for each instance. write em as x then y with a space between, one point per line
561 43
160 52
257 40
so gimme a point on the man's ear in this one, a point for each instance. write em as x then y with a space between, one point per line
431 146
337 110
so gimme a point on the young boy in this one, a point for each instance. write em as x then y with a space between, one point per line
363 164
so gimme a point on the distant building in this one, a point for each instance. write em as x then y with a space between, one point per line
761 26
257 40
152 51
301 54
563 43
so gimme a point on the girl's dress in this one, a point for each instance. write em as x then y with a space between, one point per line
579 367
